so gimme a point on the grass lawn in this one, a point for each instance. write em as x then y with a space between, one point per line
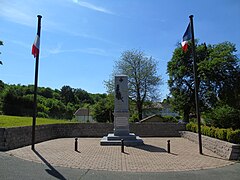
16 121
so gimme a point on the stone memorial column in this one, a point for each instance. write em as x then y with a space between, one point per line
121 116
121 112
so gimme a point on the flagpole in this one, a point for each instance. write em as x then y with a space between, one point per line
35 87
196 86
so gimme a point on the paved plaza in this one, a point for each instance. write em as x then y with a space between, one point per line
151 157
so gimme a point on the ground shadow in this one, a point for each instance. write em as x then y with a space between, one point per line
77 151
150 148
125 153
52 171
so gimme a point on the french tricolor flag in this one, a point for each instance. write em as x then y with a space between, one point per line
186 37
36 46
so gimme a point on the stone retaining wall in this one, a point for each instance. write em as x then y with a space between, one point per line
222 148
11 138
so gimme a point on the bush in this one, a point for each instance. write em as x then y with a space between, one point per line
206 130
42 115
236 136
212 131
224 117
233 136
223 134
133 118
192 127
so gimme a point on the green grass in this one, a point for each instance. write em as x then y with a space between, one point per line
16 121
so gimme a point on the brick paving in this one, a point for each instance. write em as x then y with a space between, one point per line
151 157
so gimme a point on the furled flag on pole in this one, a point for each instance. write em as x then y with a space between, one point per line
186 37
36 46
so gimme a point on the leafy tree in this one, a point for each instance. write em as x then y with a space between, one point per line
69 110
223 116
218 74
14 103
67 94
56 108
142 75
2 87
45 92
83 96
18 100
103 109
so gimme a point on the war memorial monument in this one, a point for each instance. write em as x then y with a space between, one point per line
121 116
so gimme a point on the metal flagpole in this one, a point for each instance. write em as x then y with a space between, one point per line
196 86
35 87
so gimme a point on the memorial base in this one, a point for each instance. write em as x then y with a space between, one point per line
129 140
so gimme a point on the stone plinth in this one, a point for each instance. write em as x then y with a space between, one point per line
129 140
121 116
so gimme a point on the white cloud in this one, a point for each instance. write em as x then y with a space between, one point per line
92 6
25 13
17 13
95 51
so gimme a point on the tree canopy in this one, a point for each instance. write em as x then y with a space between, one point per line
143 77
218 77
60 104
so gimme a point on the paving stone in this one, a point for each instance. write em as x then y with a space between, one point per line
151 157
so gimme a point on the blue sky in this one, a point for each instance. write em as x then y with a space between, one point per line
81 39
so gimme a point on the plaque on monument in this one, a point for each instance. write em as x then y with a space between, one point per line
121 116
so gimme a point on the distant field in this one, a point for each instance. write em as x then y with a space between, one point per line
16 121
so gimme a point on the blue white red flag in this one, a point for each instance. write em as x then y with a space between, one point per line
186 37
36 46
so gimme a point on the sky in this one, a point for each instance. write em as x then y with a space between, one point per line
82 39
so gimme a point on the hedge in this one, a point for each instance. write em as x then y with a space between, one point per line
229 134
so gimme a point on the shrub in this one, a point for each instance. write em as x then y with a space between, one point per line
233 136
192 127
212 131
188 126
229 134
42 115
223 134
224 116
206 130
236 136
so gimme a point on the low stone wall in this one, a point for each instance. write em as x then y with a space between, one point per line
222 148
157 129
11 138
2 139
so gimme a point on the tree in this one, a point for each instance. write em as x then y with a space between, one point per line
142 75
67 94
83 96
218 74
224 116
103 109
